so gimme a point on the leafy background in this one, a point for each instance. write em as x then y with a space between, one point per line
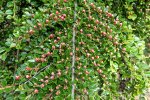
36 45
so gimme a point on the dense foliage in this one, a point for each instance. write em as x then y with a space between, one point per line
37 49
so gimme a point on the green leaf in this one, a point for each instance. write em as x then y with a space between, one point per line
4 82
30 22
9 12
16 34
18 46
27 13
133 17
13 45
2 49
28 97
29 1
10 4
1 12
1 18
3 56
58 98
32 60
9 17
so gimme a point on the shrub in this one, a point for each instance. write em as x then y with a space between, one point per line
61 49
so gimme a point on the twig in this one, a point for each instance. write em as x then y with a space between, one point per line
3 88
14 9
36 74
73 50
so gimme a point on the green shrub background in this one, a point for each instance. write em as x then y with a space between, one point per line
111 49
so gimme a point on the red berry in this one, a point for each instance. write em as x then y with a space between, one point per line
51 36
85 91
43 60
55 18
37 59
55 41
97 57
36 91
89 35
57 12
57 87
95 28
17 77
87 54
47 21
104 33
43 55
110 37
65 87
46 81
116 43
88 25
42 85
120 24
53 47
86 72
92 50
63 44
123 49
64 15
31 32
46 76
83 11
92 58
27 76
39 24
92 4
90 17
82 43
41 80
115 38
58 92
77 58
115 22
84 0
48 53
99 71
58 38
28 68
67 67
95 64
35 84
32 15
59 74
104 76
51 90
53 74
77 49
117 19
97 21
35 27
109 15
81 30
51 15
71 53
62 18
52 77
99 9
